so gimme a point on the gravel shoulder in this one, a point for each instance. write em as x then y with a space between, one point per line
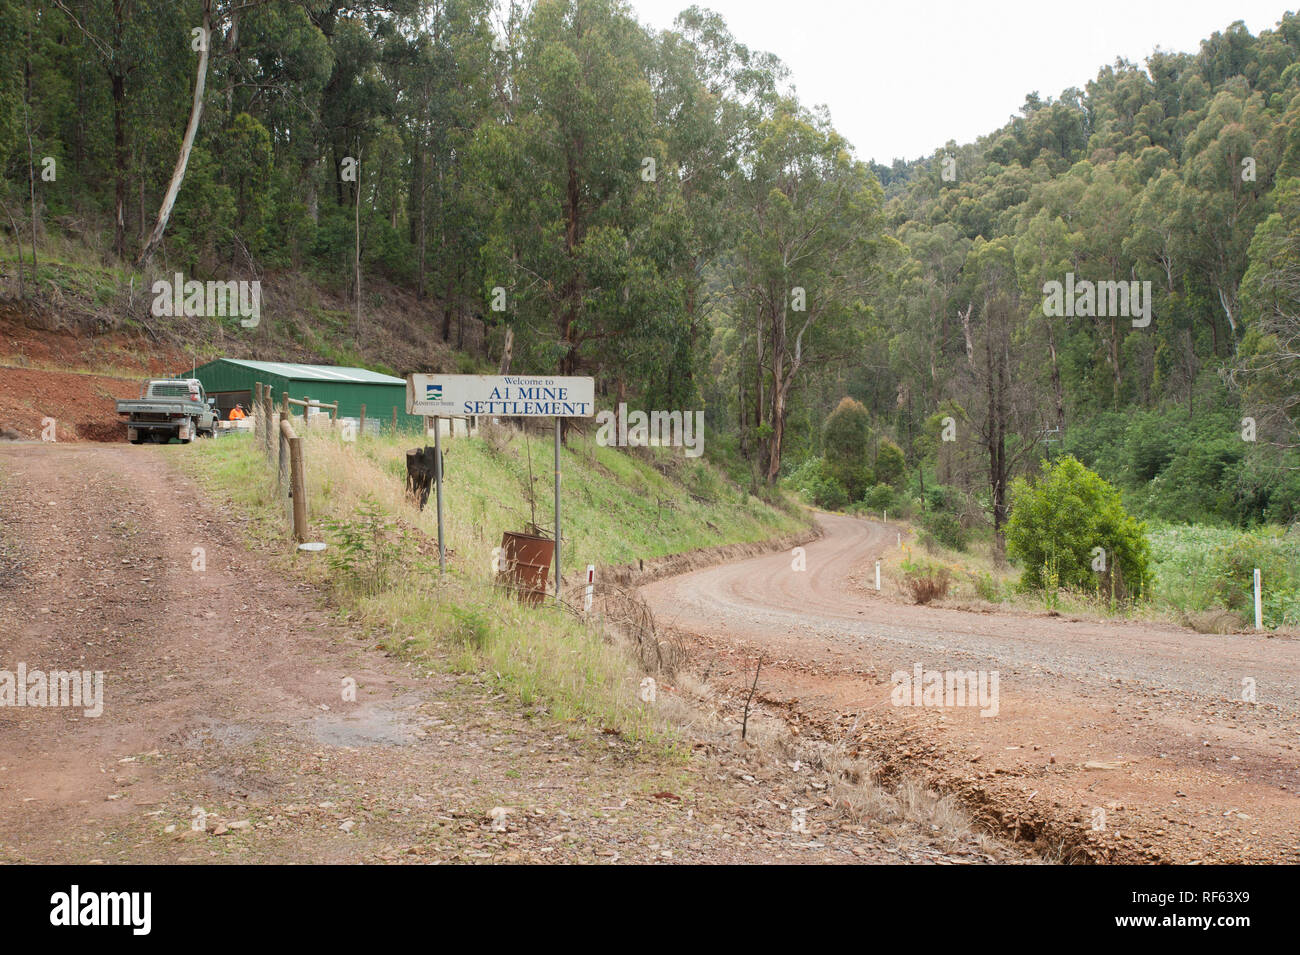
1112 742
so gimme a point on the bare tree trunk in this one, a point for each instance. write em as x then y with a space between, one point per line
778 435
356 229
27 124
996 354
994 441
1115 367
446 311
965 328
507 351
141 214
182 161
760 446
31 171
742 410
1056 382
424 233
119 162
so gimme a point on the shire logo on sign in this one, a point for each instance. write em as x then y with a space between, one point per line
133 909
433 392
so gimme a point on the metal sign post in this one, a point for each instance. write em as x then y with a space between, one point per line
437 472
557 512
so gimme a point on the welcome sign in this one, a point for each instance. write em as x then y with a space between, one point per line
508 396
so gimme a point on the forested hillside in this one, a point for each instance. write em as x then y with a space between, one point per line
660 210
1180 172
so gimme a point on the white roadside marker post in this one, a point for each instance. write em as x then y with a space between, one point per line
877 575
1259 602
591 588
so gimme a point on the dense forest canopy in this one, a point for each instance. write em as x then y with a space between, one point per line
659 210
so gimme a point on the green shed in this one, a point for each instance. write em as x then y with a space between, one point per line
231 381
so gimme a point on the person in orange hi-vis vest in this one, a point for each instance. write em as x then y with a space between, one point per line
237 412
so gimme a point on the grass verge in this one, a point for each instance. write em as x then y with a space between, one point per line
1202 578
381 564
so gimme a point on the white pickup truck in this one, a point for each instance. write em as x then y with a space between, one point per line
169 408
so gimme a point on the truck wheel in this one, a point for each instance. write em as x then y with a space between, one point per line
137 440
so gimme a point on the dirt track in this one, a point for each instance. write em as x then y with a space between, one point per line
222 692
1183 769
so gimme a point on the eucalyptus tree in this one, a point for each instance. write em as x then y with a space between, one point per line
587 239
808 229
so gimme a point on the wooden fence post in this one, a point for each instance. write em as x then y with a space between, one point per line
268 408
256 410
394 420
362 429
299 489
282 466
296 479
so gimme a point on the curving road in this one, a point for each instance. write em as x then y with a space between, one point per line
1181 767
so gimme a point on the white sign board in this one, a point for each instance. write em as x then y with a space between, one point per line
507 396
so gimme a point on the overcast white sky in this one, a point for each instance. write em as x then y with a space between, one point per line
903 77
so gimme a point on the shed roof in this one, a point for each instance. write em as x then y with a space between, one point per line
335 373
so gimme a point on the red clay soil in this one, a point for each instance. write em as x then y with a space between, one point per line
32 340
81 404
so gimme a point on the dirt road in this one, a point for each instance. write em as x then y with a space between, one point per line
1119 742
224 734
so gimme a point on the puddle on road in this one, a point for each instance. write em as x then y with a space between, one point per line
377 725
390 723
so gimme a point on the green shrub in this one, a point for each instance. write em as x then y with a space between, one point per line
847 438
813 479
890 464
1232 574
879 498
366 549
1058 522
469 626
703 482
945 528
986 586
940 497
1151 444
1201 483
830 494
